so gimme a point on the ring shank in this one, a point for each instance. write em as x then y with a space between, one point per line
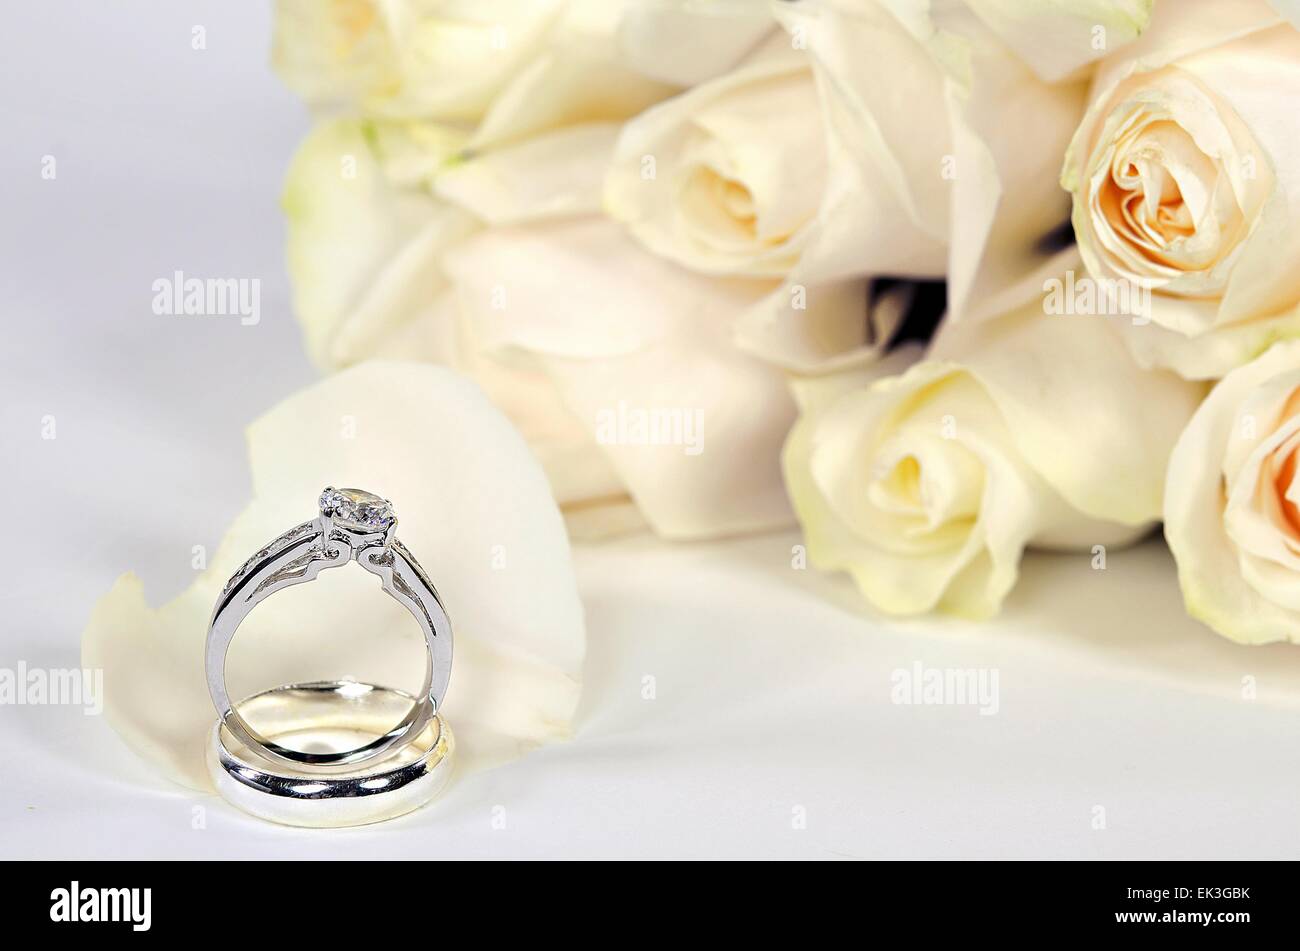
296 557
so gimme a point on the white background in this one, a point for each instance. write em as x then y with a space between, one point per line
772 732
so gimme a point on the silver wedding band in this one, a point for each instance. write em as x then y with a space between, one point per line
406 780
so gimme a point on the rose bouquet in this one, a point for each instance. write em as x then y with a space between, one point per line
690 248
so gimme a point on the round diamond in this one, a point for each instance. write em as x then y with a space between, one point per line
357 509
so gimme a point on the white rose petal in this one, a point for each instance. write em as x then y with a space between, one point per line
547 176
445 59
505 69
473 506
579 76
685 42
624 335
1081 412
889 146
1006 210
1058 37
1005 129
362 246
1289 9
591 494
1208 355
829 328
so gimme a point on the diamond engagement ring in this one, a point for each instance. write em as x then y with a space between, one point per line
352 525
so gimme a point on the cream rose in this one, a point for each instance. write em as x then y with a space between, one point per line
914 487
1020 430
806 163
1232 502
1185 178
741 176
743 170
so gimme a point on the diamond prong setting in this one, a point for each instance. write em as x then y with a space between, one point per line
357 510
